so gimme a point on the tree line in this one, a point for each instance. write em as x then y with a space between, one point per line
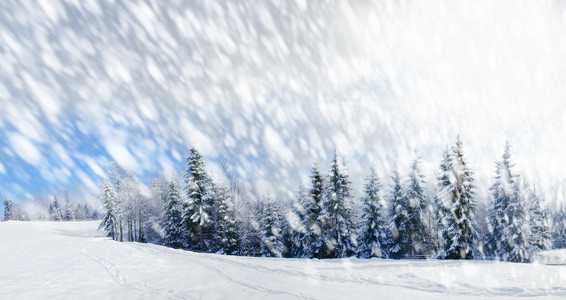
412 218
53 210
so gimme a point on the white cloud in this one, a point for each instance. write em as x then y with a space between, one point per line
120 153
25 149
94 166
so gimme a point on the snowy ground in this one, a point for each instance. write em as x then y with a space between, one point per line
73 260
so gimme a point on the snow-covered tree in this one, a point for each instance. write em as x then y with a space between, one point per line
416 200
272 244
315 216
559 229
516 232
227 227
297 220
398 229
442 202
250 229
55 210
456 195
118 177
108 197
69 214
173 227
372 236
197 211
8 209
508 216
339 229
540 234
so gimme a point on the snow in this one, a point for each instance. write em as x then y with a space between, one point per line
50 260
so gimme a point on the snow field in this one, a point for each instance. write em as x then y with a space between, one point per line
72 260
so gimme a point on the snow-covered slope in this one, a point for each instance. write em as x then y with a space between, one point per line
73 260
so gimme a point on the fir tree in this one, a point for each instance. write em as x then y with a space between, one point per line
227 224
540 237
443 203
416 237
559 229
458 204
197 211
508 219
56 213
315 216
398 231
108 198
371 239
173 226
272 245
516 232
297 219
339 231
69 212
8 209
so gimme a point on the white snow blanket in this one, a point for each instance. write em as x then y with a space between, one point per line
72 260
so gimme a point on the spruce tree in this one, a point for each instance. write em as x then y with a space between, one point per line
516 232
272 244
371 239
508 218
500 193
56 213
416 201
69 211
559 228
339 230
173 226
297 219
459 204
227 224
398 231
315 216
197 211
443 202
108 197
8 209
540 237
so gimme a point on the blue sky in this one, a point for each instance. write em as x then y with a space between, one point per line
271 86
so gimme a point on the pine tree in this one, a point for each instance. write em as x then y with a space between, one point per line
297 219
315 216
500 193
398 231
227 224
540 237
516 232
457 197
272 245
173 226
508 219
56 213
108 198
197 211
443 202
371 239
416 200
8 209
559 229
339 232
69 212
